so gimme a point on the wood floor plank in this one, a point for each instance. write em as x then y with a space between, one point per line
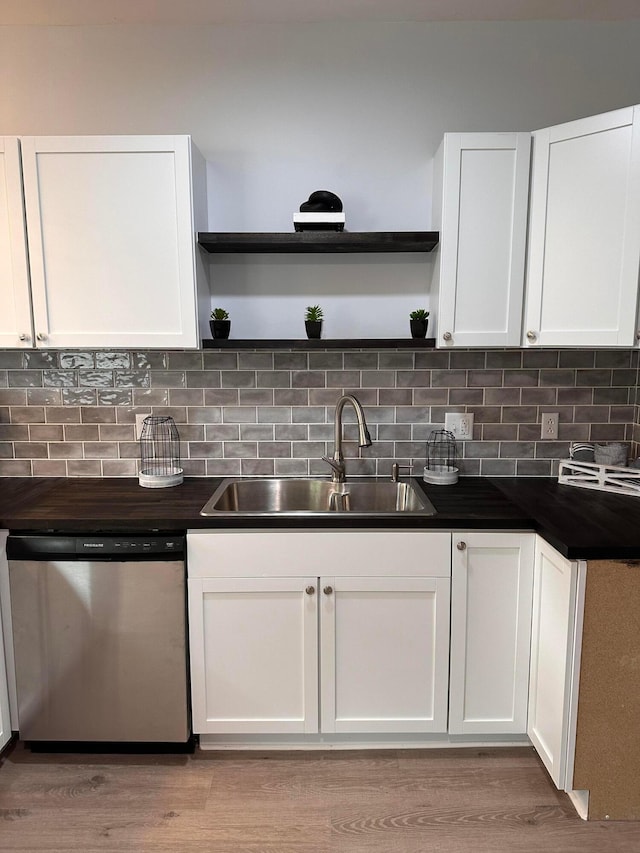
100 786
142 830
395 801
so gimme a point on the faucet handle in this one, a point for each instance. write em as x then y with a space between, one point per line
338 468
395 471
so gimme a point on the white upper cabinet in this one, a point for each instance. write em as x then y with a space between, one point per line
584 239
481 189
15 310
112 224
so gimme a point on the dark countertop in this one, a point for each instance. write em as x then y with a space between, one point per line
88 504
577 522
580 523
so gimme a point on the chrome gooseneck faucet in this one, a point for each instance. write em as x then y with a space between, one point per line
364 439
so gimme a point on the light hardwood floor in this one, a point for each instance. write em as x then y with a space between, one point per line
398 801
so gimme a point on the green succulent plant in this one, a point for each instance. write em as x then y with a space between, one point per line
313 313
419 314
219 314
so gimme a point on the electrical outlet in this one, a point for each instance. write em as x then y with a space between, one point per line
139 422
549 426
460 424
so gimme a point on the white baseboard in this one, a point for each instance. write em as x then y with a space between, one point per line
337 742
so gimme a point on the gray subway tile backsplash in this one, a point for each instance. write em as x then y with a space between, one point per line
142 378
113 397
257 467
111 360
255 413
326 361
498 467
255 397
540 358
184 361
76 359
256 432
576 358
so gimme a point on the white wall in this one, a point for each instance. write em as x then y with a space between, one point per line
280 111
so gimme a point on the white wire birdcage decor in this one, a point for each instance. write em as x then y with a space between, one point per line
442 454
159 453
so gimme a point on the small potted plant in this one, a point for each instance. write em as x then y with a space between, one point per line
220 323
419 320
313 321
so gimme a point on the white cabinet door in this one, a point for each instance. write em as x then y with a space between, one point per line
384 654
15 309
558 605
254 655
5 718
481 192
491 589
584 241
112 240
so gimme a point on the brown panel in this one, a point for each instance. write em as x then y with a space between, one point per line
608 733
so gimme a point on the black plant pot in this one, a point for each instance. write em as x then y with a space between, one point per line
419 328
313 328
220 328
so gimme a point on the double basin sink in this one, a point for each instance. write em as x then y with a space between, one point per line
309 496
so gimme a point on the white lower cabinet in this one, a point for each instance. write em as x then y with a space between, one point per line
360 650
558 606
5 720
491 588
370 632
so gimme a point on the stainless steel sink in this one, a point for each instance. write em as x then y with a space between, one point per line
293 496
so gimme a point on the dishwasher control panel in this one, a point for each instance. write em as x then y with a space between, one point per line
46 546
129 545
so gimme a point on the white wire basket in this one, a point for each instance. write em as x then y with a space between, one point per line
159 453
617 479
442 452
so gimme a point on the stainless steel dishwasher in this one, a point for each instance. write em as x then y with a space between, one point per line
99 633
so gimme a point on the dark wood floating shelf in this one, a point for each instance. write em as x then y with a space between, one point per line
320 241
320 343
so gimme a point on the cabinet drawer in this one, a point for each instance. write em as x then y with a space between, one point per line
287 553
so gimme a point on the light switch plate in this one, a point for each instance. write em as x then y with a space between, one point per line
460 424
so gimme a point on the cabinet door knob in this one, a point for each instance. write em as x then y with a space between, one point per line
328 590
447 336
41 336
531 336
461 546
638 335
310 590
25 337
